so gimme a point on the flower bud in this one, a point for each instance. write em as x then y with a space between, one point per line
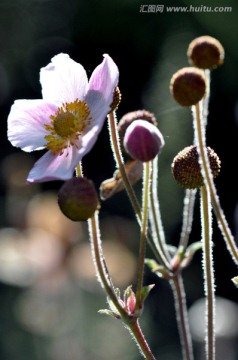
128 119
78 199
143 141
116 99
109 187
188 86
206 52
186 168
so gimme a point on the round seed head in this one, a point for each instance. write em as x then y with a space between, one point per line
186 168
188 86
206 52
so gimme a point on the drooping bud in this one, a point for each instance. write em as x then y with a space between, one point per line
206 52
116 99
128 119
186 168
188 86
143 141
78 199
109 187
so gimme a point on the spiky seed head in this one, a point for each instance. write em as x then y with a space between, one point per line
186 168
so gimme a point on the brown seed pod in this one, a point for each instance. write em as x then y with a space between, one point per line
206 52
186 168
188 86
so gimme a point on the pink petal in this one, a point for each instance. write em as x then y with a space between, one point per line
101 86
26 123
63 80
54 167
88 140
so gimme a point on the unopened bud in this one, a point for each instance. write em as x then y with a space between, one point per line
78 199
206 52
143 141
128 119
188 86
186 168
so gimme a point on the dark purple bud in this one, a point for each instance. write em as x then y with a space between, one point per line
143 141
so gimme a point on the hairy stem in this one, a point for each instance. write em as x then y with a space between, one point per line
140 339
104 278
182 316
208 274
189 201
155 216
115 143
208 178
146 192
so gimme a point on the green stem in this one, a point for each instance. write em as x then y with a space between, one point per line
208 275
231 245
79 170
120 164
146 192
131 194
188 210
182 316
100 263
155 216
103 275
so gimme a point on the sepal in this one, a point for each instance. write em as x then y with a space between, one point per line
159 270
235 281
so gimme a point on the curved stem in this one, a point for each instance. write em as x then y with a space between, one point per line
208 178
182 316
155 216
208 274
104 277
131 194
146 191
120 163
189 201
100 263
140 339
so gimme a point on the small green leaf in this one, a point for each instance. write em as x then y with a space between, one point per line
145 292
152 264
110 313
157 269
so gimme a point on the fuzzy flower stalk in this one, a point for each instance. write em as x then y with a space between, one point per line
68 118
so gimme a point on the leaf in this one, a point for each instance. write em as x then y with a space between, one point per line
110 313
159 270
145 292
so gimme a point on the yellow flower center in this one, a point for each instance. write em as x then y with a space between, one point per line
66 126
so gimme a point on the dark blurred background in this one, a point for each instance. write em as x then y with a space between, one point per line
49 296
